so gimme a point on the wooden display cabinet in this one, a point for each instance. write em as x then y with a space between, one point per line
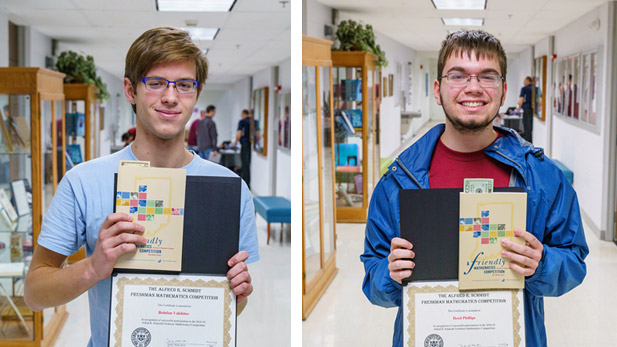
81 98
32 161
318 216
356 152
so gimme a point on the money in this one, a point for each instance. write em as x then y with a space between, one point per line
478 185
134 163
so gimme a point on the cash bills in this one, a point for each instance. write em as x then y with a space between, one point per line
478 185
134 163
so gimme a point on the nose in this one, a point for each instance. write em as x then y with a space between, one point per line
170 94
473 84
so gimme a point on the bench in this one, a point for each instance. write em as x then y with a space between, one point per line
567 172
274 209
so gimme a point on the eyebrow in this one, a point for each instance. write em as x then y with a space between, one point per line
461 69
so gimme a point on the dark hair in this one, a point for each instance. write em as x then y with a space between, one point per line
483 44
163 45
246 112
210 108
126 136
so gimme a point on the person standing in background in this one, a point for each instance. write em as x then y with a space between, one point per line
206 134
243 135
524 102
192 139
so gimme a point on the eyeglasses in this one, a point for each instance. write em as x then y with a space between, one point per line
157 84
461 79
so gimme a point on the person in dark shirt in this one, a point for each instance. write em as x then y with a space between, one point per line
207 135
243 135
524 102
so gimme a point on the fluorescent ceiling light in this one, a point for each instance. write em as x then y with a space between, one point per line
202 34
474 22
459 4
195 5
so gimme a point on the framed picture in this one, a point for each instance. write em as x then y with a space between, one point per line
284 121
397 84
385 86
20 197
537 95
391 84
259 128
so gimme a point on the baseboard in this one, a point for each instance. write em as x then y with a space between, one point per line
601 234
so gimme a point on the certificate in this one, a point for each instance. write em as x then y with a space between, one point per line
438 314
172 311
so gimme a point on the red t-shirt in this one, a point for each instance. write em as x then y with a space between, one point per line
192 140
450 168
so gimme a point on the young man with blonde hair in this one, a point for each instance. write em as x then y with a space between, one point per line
164 74
470 87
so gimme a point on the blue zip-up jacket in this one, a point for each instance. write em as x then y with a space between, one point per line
553 217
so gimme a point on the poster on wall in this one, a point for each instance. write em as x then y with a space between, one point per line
409 84
284 122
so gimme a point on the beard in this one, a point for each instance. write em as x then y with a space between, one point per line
470 126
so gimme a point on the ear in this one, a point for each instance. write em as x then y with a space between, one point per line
129 93
505 89
436 88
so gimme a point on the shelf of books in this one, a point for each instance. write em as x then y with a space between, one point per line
354 119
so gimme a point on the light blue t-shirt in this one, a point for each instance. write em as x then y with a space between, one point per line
85 197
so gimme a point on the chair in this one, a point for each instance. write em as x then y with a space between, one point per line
274 209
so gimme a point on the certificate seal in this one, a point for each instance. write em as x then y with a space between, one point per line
141 337
433 340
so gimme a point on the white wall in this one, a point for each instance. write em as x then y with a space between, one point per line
520 65
579 148
262 167
223 99
38 46
282 178
315 17
541 129
4 39
118 113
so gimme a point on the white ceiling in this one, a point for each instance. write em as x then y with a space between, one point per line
417 24
256 34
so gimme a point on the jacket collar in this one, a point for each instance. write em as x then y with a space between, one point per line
411 168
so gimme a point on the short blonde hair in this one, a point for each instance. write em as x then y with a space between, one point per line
163 45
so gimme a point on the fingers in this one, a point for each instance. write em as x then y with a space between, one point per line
236 270
521 249
399 276
115 218
238 280
523 260
522 270
237 258
400 254
126 238
397 242
527 236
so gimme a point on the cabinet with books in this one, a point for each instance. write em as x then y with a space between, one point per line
318 216
356 154
82 124
31 164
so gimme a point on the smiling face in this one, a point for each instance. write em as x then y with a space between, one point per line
163 115
470 108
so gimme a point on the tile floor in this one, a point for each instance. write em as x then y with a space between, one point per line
264 323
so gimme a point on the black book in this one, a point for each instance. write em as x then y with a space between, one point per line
430 221
211 225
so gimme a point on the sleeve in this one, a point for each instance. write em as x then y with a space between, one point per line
562 266
522 94
381 227
64 228
248 230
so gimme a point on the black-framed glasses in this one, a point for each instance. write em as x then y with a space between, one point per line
158 84
485 80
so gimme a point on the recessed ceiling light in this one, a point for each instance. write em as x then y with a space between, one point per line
202 34
459 4
475 22
195 5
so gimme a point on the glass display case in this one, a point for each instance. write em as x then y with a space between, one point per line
82 122
31 161
318 216
356 153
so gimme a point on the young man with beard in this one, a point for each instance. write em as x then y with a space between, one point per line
471 87
164 74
